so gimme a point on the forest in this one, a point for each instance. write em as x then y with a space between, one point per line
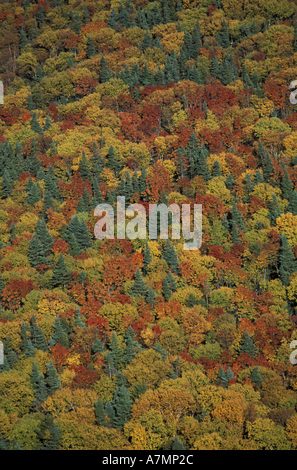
139 344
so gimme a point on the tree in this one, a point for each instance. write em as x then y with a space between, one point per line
223 36
139 287
170 256
147 258
60 335
61 276
36 254
177 444
122 404
287 261
35 126
166 291
248 345
37 380
52 379
256 377
100 413
37 335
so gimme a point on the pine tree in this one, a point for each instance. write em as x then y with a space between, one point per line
139 287
7 184
100 413
216 169
90 51
97 346
248 345
43 235
256 377
116 352
151 296
34 195
177 444
34 123
147 258
292 207
105 75
37 380
274 209
113 19
286 185
122 404
37 335
287 261
52 379
36 254
223 36
60 335
166 291
170 256
109 411
61 276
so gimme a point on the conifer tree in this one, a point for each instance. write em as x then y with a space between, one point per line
177 444
61 276
223 36
122 404
166 291
35 126
292 207
116 352
139 287
256 377
52 379
248 345
151 296
287 261
100 413
37 335
147 258
274 209
60 335
36 254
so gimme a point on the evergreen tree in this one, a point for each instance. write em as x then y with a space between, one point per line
113 19
216 169
223 36
48 434
90 51
248 345
170 256
147 258
100 413
37 335
104 73
43 235
52 379
97 346
287 261
274 209
292 207
7 184
116 352
61 275
166 291
256 377
160 350
151 296
109 411
139 287
37 380
60 335
177 444
36 254
286 184
122 404
34 123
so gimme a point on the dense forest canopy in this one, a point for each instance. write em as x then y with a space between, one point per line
146 345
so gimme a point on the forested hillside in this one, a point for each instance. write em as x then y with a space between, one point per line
140 344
